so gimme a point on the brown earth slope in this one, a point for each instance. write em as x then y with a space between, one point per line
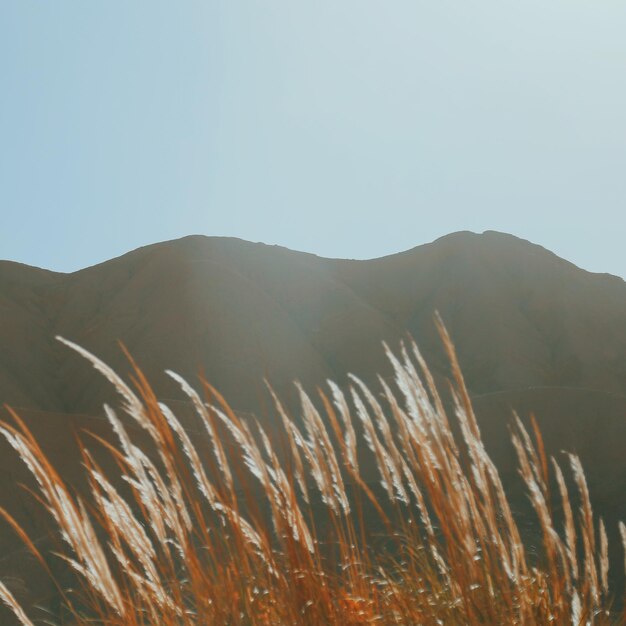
520 317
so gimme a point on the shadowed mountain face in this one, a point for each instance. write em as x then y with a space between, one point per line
520 317
533 332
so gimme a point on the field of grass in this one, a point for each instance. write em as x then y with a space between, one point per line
281 528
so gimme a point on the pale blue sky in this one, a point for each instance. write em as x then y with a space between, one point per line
351 128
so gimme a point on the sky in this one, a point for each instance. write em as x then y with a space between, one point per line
347 128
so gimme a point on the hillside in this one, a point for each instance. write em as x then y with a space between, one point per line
520 316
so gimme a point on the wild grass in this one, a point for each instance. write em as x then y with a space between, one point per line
282 528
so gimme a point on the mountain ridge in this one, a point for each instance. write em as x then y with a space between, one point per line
456 235
518 312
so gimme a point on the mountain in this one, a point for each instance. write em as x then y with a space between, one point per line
519 315
534 333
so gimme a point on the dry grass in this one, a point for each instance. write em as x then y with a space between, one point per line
255 535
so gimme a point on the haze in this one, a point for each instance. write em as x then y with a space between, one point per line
355 128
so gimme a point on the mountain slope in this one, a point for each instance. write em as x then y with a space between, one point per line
520 317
